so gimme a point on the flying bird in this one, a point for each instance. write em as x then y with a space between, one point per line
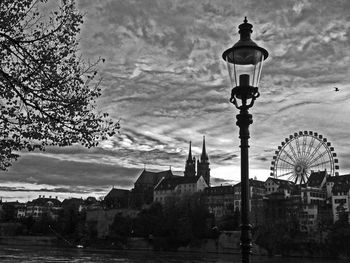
336 89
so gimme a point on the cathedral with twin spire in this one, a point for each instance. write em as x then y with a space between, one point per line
163 186
202 165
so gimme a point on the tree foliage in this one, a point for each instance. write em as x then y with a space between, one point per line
178 223
121 228
230 222
47 92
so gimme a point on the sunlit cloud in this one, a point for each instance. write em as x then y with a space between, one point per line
165 80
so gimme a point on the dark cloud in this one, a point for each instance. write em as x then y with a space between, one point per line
219 181
296 105
165 80
52 171
75 190
223 157
263 158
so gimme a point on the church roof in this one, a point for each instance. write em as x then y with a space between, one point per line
171 182
117 193
152 178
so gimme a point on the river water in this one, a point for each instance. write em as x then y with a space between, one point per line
59 255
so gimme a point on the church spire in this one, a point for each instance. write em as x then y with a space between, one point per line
203 165
190 168
204 156
189 153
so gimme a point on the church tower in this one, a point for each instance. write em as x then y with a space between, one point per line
190 168
203 165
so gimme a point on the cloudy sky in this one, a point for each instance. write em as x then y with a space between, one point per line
166 82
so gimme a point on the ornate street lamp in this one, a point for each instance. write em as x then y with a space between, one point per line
244 61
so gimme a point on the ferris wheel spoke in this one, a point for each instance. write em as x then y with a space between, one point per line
293 152
284 169
289 156
291 177
304 146
283 160
307 175
296 179
311 144
315 151
321 163
298 146
317 158
281 175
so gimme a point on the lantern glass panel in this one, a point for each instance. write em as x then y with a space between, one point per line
245 60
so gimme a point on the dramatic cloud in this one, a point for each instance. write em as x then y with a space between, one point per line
42 169
165 80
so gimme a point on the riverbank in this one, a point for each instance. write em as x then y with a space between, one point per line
225 244
39 254
29 241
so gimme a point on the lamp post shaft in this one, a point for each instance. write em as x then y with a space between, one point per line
244 60
244 119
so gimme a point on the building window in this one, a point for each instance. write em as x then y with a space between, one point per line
338 201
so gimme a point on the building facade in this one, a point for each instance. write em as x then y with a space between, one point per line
220 200
174 187
44 206
142 193
273 185
340 201
117 198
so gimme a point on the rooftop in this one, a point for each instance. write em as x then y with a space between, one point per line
152 178
339 178
254 183
316 178
42 201
117 193
171 182
280 181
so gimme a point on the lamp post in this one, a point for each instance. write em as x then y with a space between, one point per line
244 61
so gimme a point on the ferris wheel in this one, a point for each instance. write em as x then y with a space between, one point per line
300 154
